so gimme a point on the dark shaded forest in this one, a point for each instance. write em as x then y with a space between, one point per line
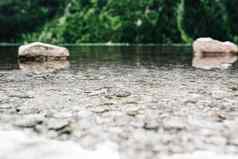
122 21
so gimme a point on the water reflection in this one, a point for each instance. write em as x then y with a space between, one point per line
214 62
99 55
8 58
44 67
131 55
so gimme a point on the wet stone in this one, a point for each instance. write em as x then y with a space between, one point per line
132 110
116 92
234 88
29 121
122 94
101 109
174 123
217 116
5 106
151 125
57 125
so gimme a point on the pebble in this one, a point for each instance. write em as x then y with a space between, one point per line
57 125
101 109
29 121
148 112
174 123
132 110
5 106
151 125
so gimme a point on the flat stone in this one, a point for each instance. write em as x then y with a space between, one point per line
5 106
151 125
57 125
101 109
122 94
29 121
174 123
217 116
38 49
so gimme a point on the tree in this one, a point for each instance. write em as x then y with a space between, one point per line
205 18
231 8
17 17
124 21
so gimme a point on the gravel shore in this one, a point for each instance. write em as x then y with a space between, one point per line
147 112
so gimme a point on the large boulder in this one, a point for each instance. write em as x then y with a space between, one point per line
41 58
38 49
209 46
210 53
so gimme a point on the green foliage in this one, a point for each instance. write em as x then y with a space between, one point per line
205 18
17 17
231 8
167 24
119 21
125 21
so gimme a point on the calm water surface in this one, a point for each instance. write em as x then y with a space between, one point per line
148 56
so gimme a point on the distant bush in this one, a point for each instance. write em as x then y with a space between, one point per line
120 21
232 11
205 18
17 17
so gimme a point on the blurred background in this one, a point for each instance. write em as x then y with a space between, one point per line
117 21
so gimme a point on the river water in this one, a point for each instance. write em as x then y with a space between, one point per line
147 100
155 55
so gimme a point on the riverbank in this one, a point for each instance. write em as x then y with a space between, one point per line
148 112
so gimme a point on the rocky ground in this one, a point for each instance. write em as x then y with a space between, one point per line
167 112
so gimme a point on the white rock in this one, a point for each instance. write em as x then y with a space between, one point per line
210 53
41 49
204 46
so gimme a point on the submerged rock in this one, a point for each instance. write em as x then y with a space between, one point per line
44 67
214 63
38 49
210 53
